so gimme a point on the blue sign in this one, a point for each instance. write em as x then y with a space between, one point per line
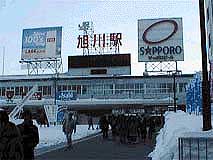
40 43
66 95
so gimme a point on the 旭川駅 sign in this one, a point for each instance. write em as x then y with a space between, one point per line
160 40
100 43
41 43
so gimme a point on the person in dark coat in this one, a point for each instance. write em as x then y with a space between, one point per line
104 126
90 122
69 126
10 139
143 130
30 135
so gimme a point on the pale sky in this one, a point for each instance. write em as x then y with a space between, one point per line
107 16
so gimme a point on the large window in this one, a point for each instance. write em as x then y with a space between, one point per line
170 87
44 90
84 89
139 88
108 89
182 87
163 88
78 89
150 88
17 93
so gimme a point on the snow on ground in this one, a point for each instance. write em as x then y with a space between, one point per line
53 135
179 124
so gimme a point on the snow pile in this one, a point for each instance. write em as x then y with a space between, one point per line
176 125
53 135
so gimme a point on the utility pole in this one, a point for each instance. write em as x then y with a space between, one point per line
205 82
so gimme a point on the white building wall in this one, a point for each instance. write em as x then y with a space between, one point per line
110 71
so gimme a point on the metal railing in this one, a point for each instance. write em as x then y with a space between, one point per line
195 148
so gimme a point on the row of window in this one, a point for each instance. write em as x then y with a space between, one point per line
100 89
22 90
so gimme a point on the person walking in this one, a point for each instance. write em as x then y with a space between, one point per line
69 126
90 122
30 135
143 130
104 127
10 139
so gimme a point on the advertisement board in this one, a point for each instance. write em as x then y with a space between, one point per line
66 95
160 40
41 43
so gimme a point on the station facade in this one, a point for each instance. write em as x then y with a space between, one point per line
97 86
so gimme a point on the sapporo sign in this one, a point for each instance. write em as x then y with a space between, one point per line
160 40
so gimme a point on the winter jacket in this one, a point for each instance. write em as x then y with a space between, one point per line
30 136
10 143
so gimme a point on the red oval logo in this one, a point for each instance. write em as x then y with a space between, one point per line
174 23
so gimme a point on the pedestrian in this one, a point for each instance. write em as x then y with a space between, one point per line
69 126
123 128
10 139
90 122
98 124
133 129
151 129
30 135
113 127
104 127
143 130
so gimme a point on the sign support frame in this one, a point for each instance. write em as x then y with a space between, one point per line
37 66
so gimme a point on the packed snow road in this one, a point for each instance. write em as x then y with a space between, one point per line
98 149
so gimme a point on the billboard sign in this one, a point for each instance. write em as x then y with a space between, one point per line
160 40
41 43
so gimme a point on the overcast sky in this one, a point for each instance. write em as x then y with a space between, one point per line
107 16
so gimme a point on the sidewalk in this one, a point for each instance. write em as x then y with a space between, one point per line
51 148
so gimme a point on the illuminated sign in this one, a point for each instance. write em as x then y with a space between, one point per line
160 40
100 43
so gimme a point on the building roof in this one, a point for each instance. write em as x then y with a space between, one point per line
88 77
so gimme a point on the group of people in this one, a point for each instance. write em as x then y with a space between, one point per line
129 128
17 142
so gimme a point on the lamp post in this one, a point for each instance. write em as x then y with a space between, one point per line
205 82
